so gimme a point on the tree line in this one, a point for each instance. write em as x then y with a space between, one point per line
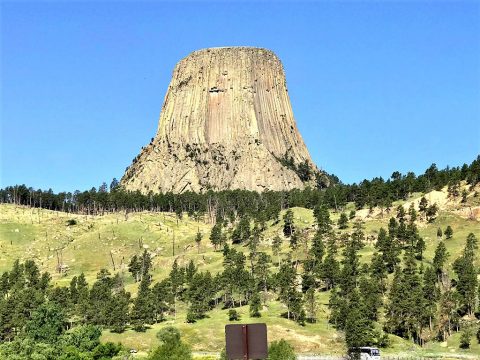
231 203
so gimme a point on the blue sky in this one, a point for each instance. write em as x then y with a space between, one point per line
375 86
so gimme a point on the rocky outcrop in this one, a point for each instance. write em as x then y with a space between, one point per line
226 123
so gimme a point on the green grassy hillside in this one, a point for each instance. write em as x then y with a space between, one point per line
110 240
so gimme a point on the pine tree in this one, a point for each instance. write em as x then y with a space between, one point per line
378 271
412 213
288 225
199 294
448 232
423 205
262 270
466 272
358 235
216 235
343 221
359 330
322 218
276 246
135 268
351 215
350 269
198 240
177 279
430 295
311 305
330 268
162 297
439 233
420 247
466 338
143 308
371 296
388 248
439 259
233 315
446 313
119 308
286 283
431 213
255 305
145 264
405 310
190 272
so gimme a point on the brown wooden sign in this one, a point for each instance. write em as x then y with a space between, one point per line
245 342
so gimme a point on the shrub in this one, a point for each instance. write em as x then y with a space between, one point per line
465 339
281 350
233 315
172 347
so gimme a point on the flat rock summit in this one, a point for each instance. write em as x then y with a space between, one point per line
226 123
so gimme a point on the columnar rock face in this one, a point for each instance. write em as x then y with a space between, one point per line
226 123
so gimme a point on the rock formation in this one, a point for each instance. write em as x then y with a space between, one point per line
226 123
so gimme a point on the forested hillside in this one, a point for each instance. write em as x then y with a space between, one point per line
390 263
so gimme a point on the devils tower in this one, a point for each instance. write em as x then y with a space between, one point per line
226 123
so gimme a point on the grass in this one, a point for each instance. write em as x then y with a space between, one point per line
91 244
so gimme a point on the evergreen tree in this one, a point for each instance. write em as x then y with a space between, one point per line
388 248
352 214
350 269
378 271
233 315
286 283
145 264
288 225
405 310
135 268
322 218
439 259
430 295
276 246
162 297
330 268
198 240
439 233
190 272
371 297
448 232
431 213
262 270
359 330
358 236
412 213
423 206
343 221
143 308
216 235
466 272
47 324
255 305
199 294
311 305
119 311
466 338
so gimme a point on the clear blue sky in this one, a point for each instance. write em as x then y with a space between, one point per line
375 86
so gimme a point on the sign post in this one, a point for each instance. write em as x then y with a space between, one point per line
247 341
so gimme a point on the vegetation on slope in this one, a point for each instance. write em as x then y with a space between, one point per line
162 269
